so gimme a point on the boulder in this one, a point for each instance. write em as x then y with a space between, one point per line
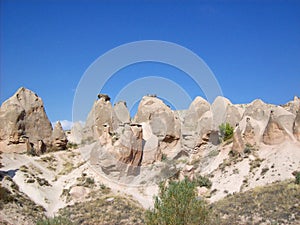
24 115
59 138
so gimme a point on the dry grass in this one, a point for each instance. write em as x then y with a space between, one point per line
105 210
68 167
278 203
17 206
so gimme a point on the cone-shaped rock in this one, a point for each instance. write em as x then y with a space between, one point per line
59 138
274 132
24 115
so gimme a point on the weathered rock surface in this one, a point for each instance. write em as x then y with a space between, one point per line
293 106
225 112
274 132
23 115
122 112
164 123
59 138
121 153
296 127
249 133
76 133
258 110
151 151
238 142
130 145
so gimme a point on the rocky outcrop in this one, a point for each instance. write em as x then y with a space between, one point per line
76 134
59 138
249 133
23 115
165 125
151 151
274 132
293 106
238 145
103 113
121 152
122 112
196 123
225 112
296 126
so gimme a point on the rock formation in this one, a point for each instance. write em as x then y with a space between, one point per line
238 143
122 112
24 115
165 125
76 133
59 138
274 132
225 112
296 127
102 113
249 133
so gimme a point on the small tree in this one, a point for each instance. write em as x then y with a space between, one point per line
226 131
178 204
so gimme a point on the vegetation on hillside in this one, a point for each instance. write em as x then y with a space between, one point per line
178 203
226 131
277 203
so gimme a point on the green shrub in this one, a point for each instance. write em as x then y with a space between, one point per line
163 157
5 196
203 181
297 176
226 131
55 221
178 204
72 145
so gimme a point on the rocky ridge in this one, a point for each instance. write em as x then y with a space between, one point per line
131 155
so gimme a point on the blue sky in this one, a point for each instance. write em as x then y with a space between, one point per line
252 47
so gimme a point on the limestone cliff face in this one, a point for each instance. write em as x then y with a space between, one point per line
22 117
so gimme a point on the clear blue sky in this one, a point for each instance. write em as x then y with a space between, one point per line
253 47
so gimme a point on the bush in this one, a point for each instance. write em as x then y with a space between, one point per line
226 131
297 176
203 181
178 204
55 221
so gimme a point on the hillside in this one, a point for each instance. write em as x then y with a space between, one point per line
107 171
